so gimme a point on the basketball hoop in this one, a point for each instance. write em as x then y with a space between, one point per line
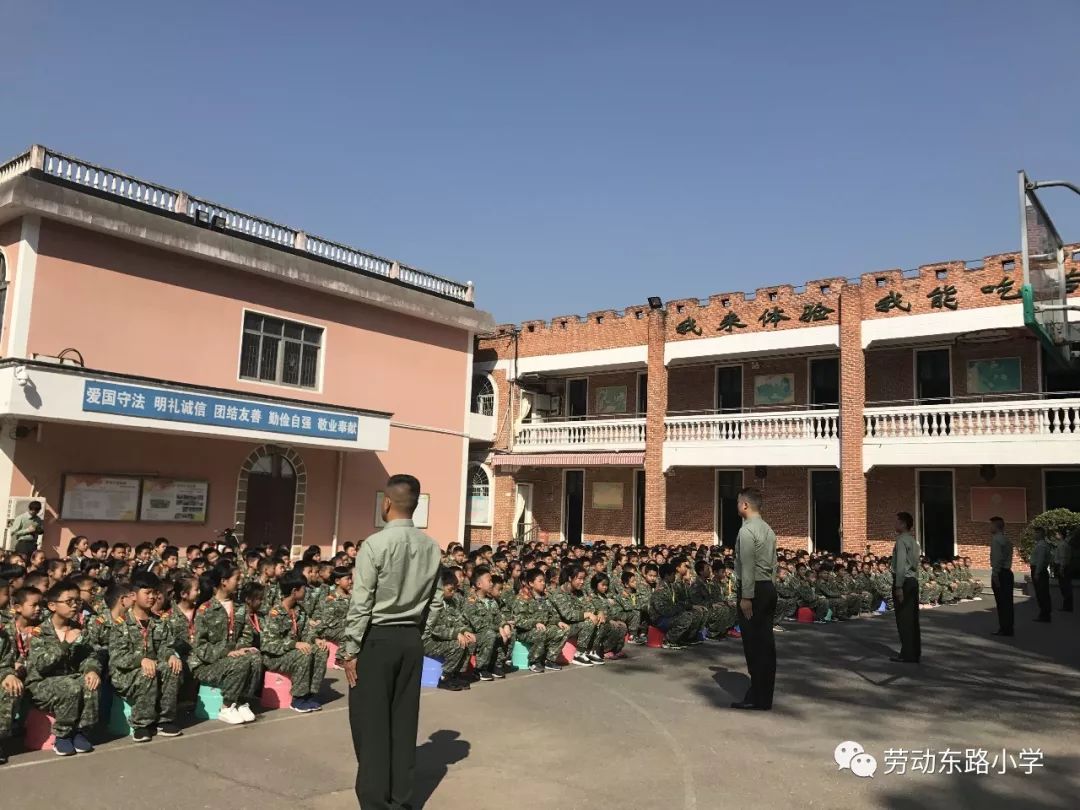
990 336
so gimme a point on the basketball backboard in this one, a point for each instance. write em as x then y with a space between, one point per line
1044 291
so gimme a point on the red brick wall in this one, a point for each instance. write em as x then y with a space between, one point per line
691 388
612 526
655 483
691 499
852 402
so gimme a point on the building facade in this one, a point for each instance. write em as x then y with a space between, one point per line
172 367
846 400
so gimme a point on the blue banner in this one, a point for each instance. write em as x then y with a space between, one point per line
200 409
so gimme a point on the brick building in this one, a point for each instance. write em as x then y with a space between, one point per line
846 400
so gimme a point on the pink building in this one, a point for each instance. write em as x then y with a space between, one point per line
172 367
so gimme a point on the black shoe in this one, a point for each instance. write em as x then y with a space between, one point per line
464 683
3 755
169 730
497 672
896 659
537 668
1001 633
141 735
743 704
552 666
449 685
485 675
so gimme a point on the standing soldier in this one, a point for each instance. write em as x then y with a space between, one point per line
1063 554
755 564
1001 576
905 567
289 645
1040 575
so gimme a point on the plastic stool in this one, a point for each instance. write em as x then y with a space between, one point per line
208 702
38 734
804 615
569 650
331 656
431 673
882 608
656 636
119 716
275 691
519 656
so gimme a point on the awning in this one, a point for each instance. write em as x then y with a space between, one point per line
569 460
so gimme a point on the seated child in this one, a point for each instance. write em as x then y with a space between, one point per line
289 646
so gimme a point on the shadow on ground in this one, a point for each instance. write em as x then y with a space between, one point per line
433 760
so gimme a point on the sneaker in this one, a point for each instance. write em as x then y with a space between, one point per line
82 745
777 628
497 672
169 730
639 640
581 659
63 747
141 735
668 645
485 675
614 656
299 705
537 668
734 634
313 704
230 715
3 755
449 685
551 665
245 712
595 657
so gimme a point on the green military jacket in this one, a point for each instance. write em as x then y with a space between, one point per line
627 600
216 636
701 593
829 586
7 653
50 657
529 612
786 587
97 630
483 614
181 631
130 642
447 624
570 606
330 615
313 597
282 629
665 601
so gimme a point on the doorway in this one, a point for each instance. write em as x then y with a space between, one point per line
937 524
271 499
729 389
728 522
825 510
1062 489
523 512
577 397
639 507
573 506
642 393
933 376
825 382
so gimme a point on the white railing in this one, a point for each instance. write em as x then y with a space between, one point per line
1034 418
484 404
117 184
753 427
584 434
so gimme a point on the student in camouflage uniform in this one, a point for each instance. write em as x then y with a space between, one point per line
537 623
855 599
612 632
330 613
448 638
628 608
63 673
494 634
828 586
881 582
706 593
289 645
646 584
679 623
947 587
976 585
223 655
11 687
787 597
270 571
807 595
929 590
118 600
180 619
569 602
143 665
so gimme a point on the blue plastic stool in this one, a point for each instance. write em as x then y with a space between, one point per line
429 676
119 722
882 608
519 656
208 702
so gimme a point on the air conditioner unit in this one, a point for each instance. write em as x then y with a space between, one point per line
17 504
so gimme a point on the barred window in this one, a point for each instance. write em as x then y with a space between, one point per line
278 351
483 396
478 506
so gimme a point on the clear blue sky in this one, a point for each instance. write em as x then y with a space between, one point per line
574 156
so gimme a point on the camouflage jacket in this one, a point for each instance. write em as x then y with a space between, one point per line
644 590
601 603
216 636
181 631
529 612
313 597
483 614
50 657
447 624
627 601
271 597
282 629
863 582
98 629
331 615
731 585
7 653
786 588
665 601
804 590
845 582
570 606
701 593
828 585
130 643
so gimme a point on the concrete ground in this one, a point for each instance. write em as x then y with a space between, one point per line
652 731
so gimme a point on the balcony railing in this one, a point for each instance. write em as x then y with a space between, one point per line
1049 418
583 434
750 427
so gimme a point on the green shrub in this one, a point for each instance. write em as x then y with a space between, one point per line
1052 520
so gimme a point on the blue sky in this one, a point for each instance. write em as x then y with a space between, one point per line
573 156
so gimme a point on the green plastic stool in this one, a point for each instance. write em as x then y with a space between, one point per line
519 656
208 702
119 723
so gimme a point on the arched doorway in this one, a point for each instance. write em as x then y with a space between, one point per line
269 507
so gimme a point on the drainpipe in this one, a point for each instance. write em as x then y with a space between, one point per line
337 501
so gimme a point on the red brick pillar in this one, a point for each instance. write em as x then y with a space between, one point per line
655 483
852 401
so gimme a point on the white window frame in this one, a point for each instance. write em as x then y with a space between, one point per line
323 345
468 494
494 393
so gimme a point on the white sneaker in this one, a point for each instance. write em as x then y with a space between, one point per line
246 713
231 715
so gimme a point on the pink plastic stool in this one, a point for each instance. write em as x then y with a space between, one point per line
569 650
38 734
331 655
804 615
275 691
656 637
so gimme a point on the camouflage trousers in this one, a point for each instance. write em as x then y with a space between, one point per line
7 713
785 608
544 645
820 606
611 637
453 655
631 618
719 619
72 705
306 670
964 590
976 588
585 635
840 607
880 597
948 595
491 649
865 601
239 678
682 628
153 700
929 593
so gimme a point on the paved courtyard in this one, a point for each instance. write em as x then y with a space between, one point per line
653 731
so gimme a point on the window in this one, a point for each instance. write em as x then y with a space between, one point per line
478 507
280 351
483 396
